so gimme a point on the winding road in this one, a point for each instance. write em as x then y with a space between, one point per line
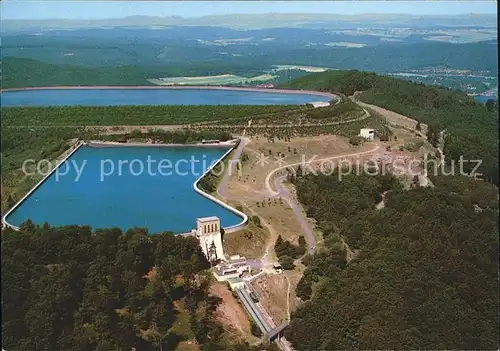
282 192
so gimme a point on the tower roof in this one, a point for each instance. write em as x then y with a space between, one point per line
207 219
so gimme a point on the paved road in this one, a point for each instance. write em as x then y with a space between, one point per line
283 193
255 263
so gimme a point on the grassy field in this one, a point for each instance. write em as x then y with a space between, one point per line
222 79
249 242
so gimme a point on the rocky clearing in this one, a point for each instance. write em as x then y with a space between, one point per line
231 313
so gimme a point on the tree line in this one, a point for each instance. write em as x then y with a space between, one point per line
287 252
133 115
180 136
71 288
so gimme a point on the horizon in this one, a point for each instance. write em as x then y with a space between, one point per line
97 10
251 14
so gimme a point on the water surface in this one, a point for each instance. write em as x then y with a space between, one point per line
105 97
157 202
484 98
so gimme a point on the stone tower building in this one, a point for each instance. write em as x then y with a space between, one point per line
209 235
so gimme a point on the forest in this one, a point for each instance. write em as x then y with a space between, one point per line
287 252
131 57
425 275
71 288
471 128
134 115
199 115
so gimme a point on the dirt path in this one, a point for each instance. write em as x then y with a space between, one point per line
288 298
281 192
270 174
394 118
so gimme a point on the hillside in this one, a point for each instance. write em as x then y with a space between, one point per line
73 288
20 72
25 72
130 57
426 276
471 128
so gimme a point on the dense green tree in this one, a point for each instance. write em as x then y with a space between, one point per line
433 134
286 262
67 288
303 289
286 248
138 115
255 329
256 220
355 140
471 128
491 104
426 276
278 244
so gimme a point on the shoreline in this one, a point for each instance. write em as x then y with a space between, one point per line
176 87
76 147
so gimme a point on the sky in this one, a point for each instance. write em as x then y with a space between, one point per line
25 9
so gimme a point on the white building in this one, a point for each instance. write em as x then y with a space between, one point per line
367 133
320 104
233 268
209 235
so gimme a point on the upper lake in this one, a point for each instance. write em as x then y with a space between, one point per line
107 97
484 98
109 195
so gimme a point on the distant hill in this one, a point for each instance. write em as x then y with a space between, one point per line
199 46
270 20
471 128
24 72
